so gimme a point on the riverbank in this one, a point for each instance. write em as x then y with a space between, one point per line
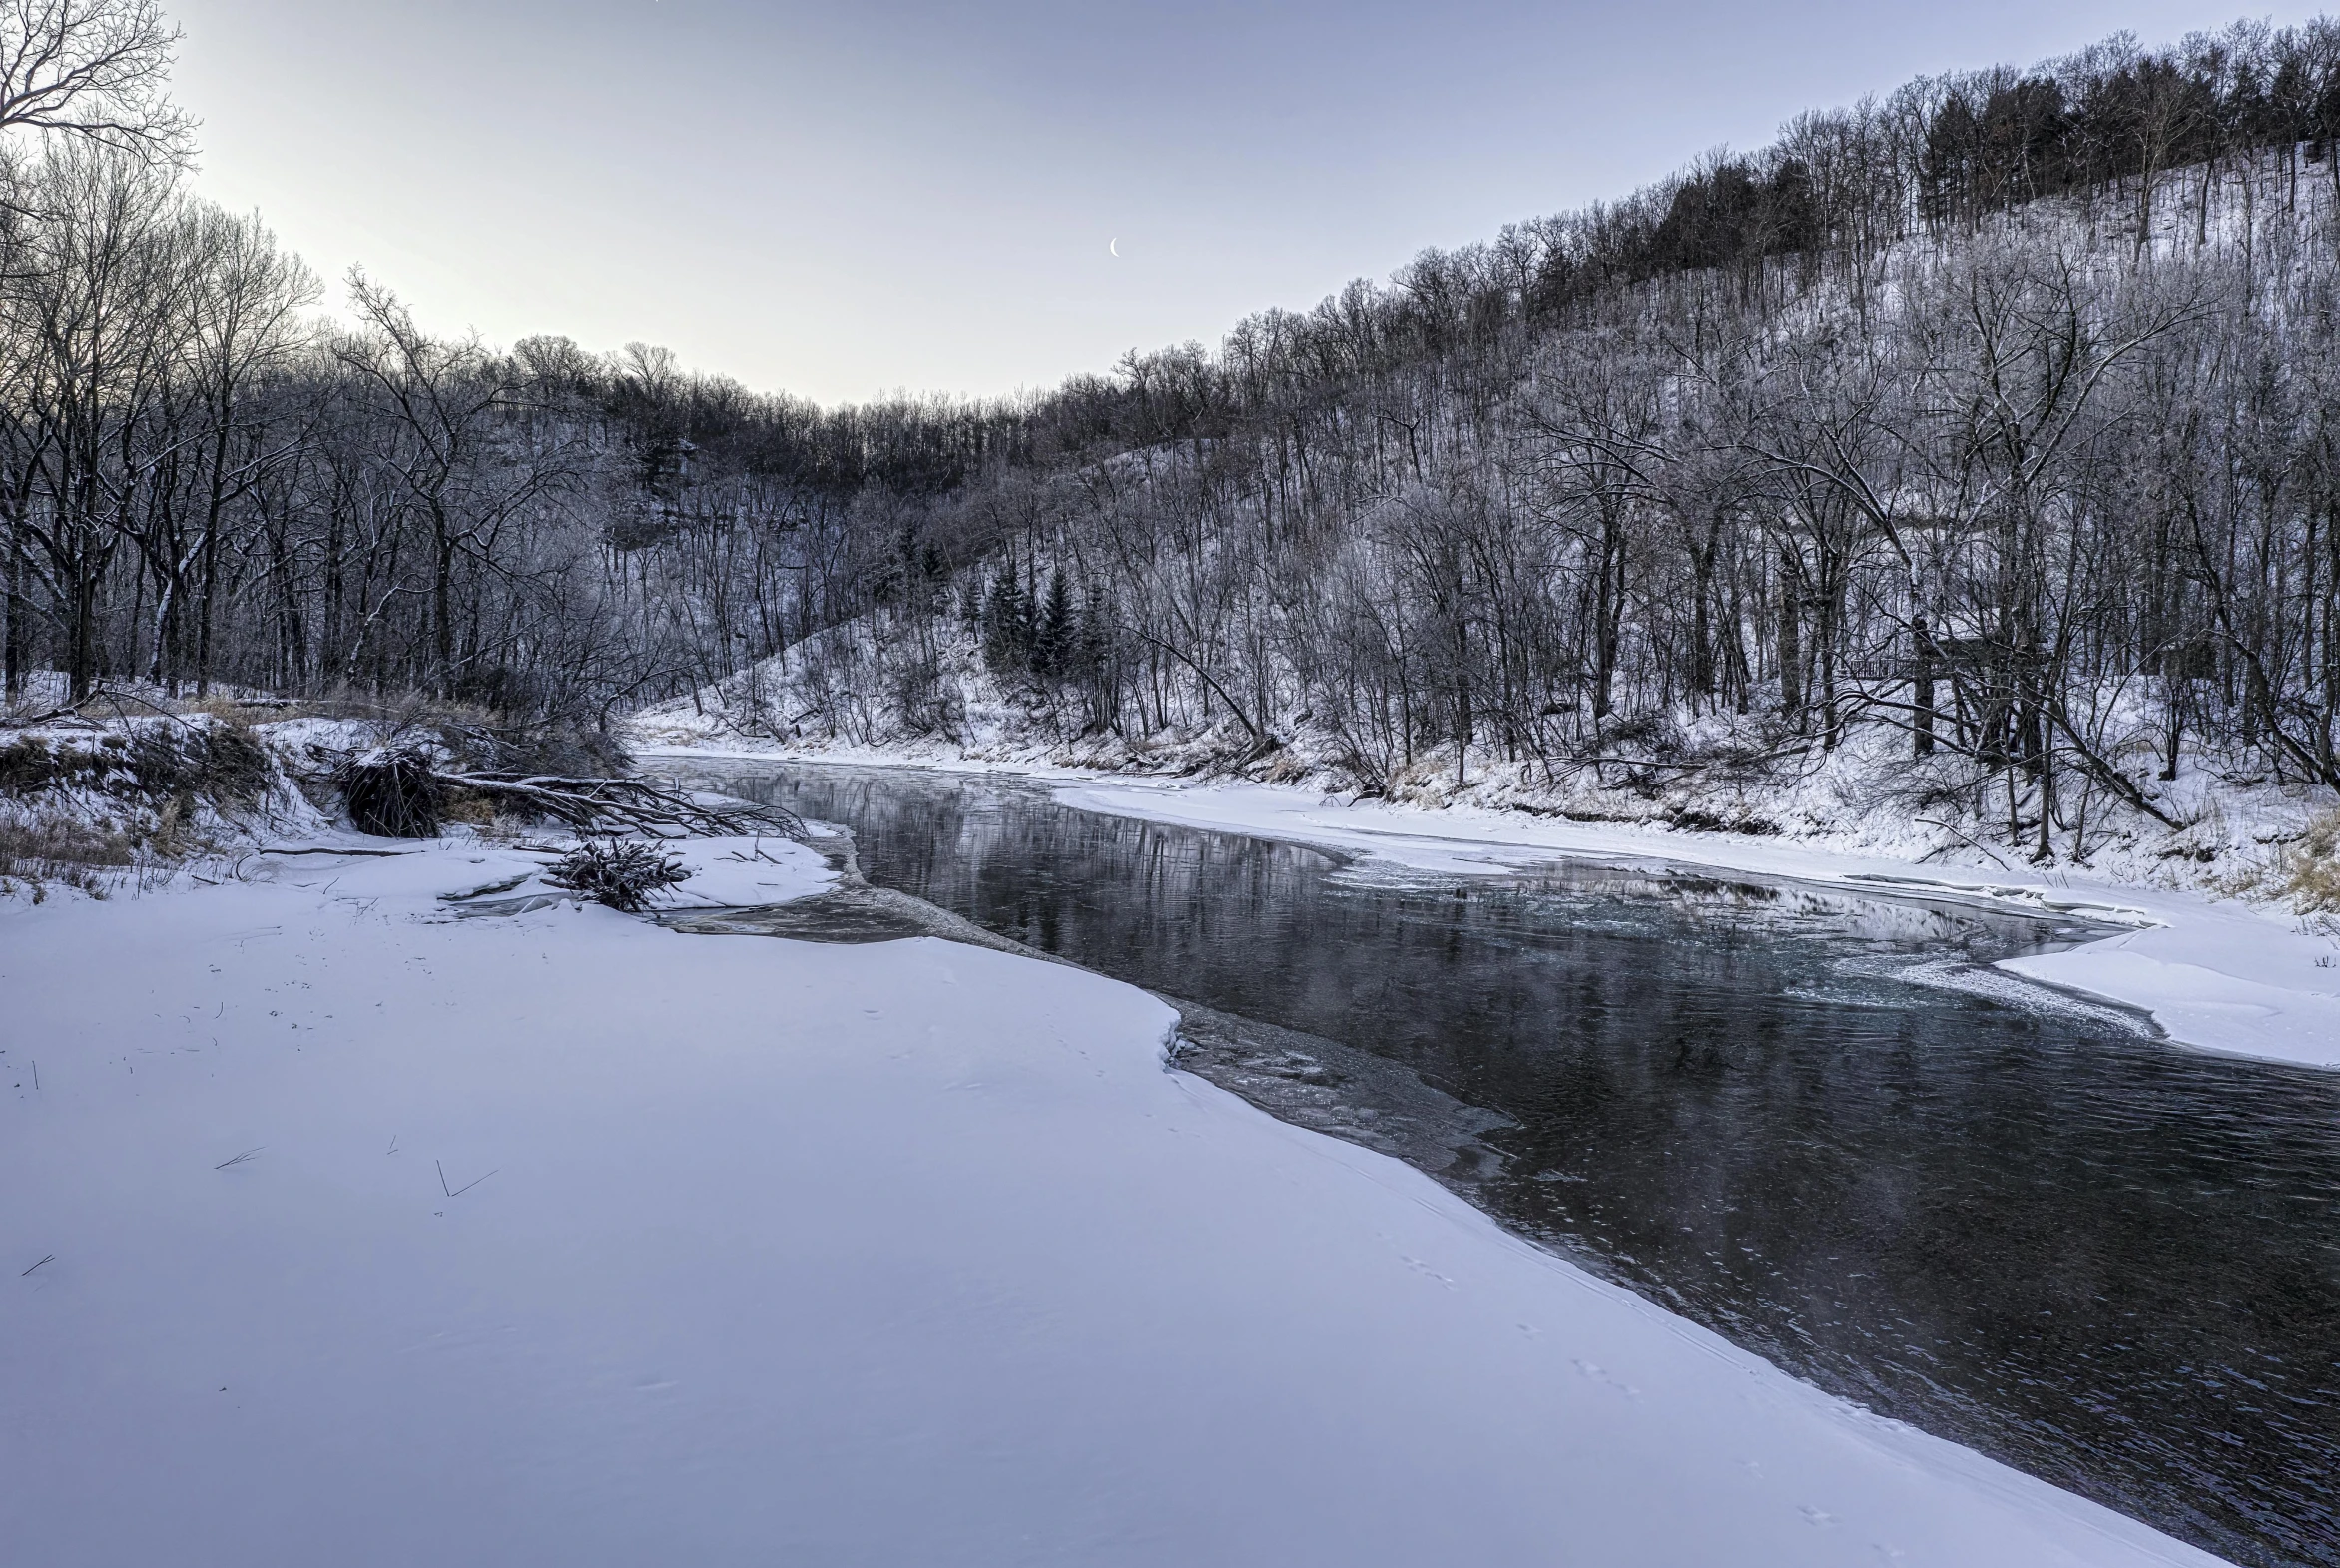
2218 974
353 1231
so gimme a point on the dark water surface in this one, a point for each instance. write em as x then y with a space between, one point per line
1787 1114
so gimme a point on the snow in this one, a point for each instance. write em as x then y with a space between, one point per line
339 1229
742 871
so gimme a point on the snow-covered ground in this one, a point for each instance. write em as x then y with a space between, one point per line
340 1230
2218 974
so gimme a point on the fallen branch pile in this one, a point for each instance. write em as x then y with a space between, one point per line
622 874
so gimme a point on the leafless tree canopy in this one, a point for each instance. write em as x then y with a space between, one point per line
92 69
1993 419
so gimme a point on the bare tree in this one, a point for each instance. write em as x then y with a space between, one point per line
96 70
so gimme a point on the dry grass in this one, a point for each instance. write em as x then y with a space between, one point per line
236 711
470 808
35 852
2311 867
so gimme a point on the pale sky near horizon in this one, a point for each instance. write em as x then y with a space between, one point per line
842 201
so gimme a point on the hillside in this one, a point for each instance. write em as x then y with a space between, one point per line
2005 575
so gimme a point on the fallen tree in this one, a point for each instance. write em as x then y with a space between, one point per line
603 806
405 792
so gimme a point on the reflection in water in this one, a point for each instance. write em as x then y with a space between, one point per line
2030 1229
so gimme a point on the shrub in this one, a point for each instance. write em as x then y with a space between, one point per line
556 746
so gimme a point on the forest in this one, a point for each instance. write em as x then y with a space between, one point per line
1993 418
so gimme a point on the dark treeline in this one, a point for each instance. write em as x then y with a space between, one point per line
1989 418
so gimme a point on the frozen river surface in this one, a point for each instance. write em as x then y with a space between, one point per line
1805 1120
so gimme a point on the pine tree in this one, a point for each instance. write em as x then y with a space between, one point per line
999 618
1009 625
1054 636
1088 654
1025 622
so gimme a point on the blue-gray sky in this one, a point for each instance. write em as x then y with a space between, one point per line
841 199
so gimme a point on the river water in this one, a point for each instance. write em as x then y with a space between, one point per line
1808 1121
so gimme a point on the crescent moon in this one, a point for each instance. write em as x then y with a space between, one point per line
1114 245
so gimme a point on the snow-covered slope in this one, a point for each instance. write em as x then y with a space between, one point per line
339 1231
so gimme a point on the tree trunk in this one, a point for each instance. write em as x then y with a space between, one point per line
1791 652
1922 661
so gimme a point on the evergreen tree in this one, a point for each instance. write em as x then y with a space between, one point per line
1054 634
1008 625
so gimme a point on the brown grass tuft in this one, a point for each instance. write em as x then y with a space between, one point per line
35 852
2311 867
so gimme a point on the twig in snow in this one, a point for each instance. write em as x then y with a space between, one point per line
238 1160
379 853
394 1149
52 1258
466 1186
1963 838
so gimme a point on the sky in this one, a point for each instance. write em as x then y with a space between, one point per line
846 201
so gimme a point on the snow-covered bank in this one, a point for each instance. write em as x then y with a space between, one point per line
134 799
2217 974
342 1231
